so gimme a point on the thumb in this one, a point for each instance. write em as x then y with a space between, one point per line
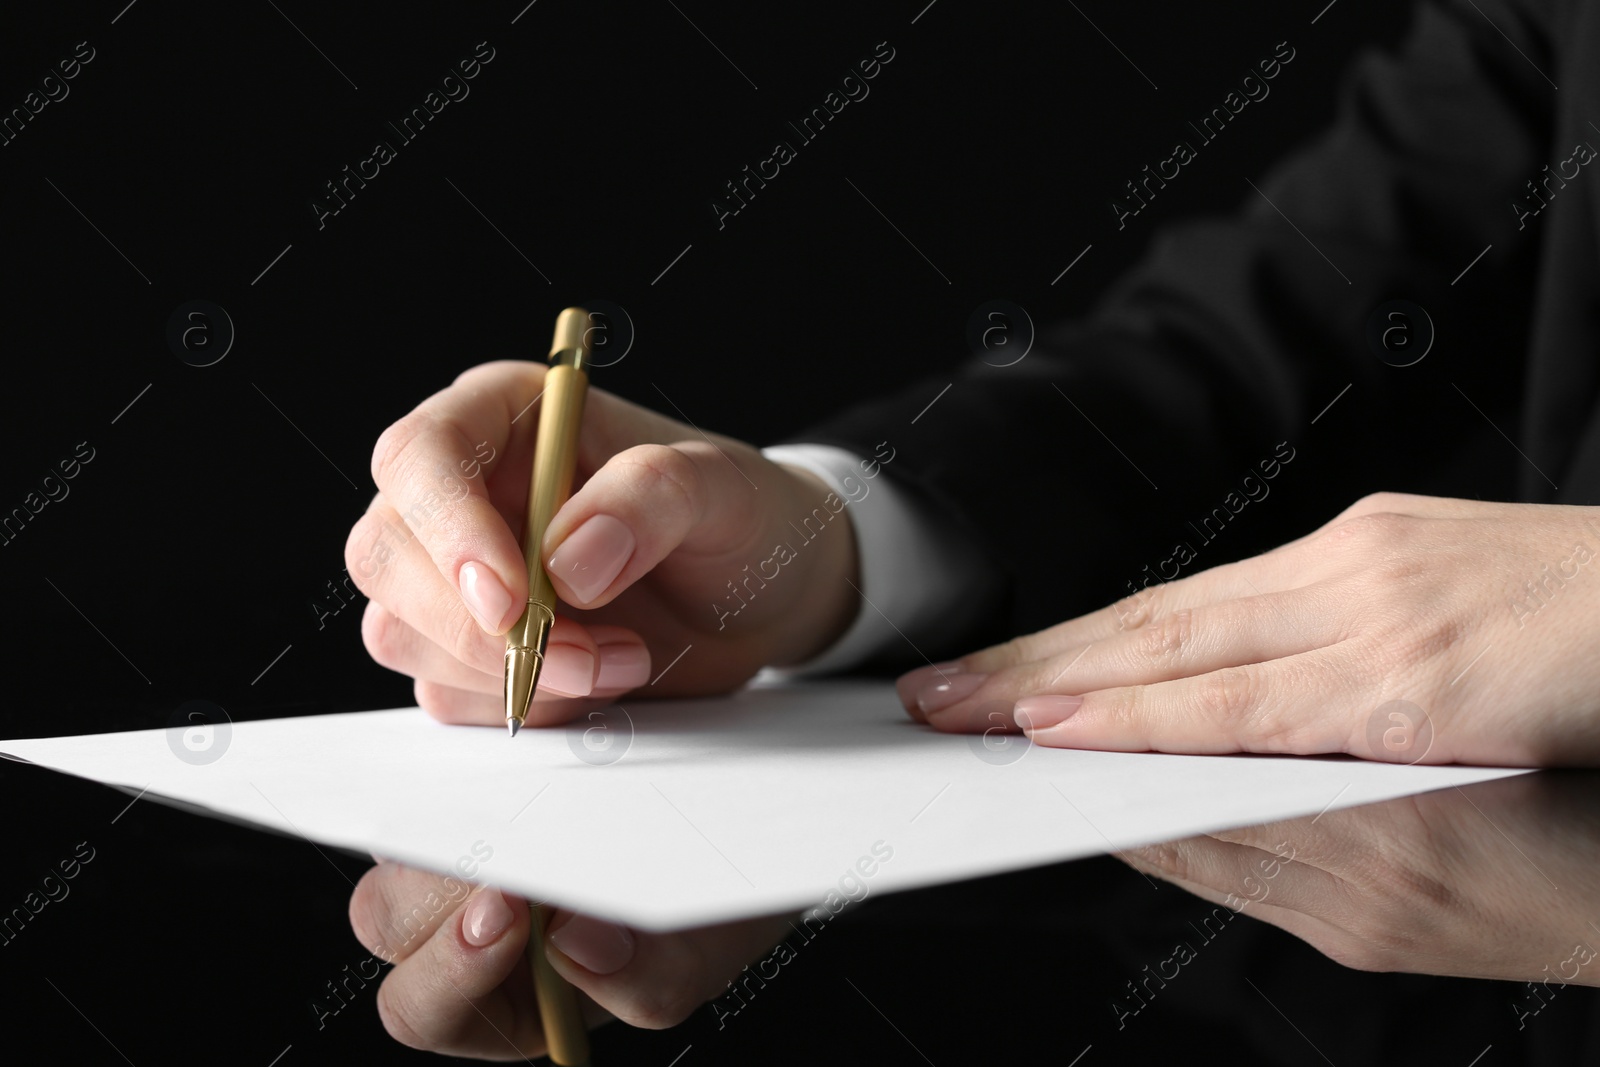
647 502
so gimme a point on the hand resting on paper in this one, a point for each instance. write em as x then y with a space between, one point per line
460 984
1408 629
661 519
1489 881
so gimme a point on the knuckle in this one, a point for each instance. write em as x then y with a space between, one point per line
663 1008
493 375
360 547
1165 857
1229 697
1383 500
1429 638
1354 952
395 444
1371 529
463 637
1168 637
1121 710
1384 947
1379 503
1033 647
1135 611
395 922
382 633
664 1004
469 378
396 1009
649 472
366 901
429 698
1009 653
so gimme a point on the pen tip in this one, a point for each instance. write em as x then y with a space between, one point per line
522 677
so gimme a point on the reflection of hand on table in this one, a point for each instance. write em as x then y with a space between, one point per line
1494 880
460 984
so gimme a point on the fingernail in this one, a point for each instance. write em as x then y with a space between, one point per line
1039 713
909 683
594 945
592 556
936 695
486 918
485 596
623 666
568 670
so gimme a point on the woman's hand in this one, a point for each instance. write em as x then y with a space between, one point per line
1407 629
1490 881
461 983
664 523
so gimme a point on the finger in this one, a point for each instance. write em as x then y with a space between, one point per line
397 645
1282 569
1301 704
644 504
467 990
396 908
1246 875
393 568
623 665
1272 572
1340 841
427 466
1187 642
1319 933
911 683
418 464
464 533
1267 573
1332 841
654 980
409 590
623 660
459 707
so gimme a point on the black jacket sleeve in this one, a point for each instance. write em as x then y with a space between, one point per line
1150 427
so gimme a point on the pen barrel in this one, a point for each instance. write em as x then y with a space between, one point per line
554 460
555 452
564 1032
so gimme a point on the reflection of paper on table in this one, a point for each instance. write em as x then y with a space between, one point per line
717 809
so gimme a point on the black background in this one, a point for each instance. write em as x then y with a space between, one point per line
191 551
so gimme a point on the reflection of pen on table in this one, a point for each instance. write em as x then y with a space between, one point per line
555 455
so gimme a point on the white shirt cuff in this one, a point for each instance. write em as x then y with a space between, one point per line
917 570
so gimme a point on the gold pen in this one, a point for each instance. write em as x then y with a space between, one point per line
554 457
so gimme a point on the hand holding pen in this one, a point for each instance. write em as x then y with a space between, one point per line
661 522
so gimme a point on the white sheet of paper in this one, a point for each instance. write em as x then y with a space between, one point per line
720 809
